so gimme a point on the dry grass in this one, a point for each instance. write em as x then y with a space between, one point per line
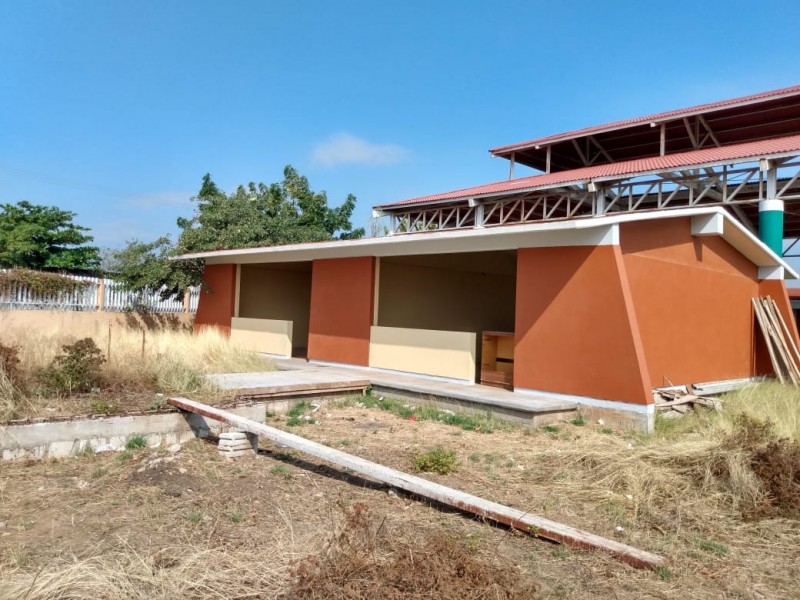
274 525
102 521
364 561
167 362
770 401
177 360
168 574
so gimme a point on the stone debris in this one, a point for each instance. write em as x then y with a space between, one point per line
107 448
154 461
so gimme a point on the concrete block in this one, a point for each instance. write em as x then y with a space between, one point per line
235 445
235 453
233 435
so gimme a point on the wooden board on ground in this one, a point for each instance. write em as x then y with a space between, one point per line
524 521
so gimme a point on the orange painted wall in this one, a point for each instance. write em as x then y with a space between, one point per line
342 296
692 297
217 298
574 328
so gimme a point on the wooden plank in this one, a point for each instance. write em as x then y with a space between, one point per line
780 343
298 388
246 394
793 352
767 339
512 517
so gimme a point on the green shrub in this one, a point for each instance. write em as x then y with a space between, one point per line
77 369
437 460
9 363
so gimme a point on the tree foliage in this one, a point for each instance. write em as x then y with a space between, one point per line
254 215
44 238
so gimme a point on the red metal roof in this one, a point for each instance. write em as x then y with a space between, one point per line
640 166
655 118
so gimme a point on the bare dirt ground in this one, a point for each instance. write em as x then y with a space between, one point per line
154 524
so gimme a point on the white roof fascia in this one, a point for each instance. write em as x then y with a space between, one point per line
590 231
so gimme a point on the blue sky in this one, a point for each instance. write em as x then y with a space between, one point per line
115 110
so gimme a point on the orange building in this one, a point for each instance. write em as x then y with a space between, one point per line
628 265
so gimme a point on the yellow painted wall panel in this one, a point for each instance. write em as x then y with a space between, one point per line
429 352
263 335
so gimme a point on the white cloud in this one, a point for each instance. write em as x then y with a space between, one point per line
345 148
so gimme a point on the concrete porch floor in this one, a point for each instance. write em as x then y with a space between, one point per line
504 404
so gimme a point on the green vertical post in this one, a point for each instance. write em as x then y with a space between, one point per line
770 224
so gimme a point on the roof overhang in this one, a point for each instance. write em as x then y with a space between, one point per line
773 149
766 114
579 232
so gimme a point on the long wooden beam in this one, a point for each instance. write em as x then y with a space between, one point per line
493 511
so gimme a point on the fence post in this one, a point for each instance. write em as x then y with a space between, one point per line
101 295
186 298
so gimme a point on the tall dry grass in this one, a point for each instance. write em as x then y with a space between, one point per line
690 468
177 361
171 362
769 401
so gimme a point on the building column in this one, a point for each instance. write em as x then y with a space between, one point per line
770 224
770 215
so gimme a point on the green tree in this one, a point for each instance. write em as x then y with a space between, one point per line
147 266
44 238
254 215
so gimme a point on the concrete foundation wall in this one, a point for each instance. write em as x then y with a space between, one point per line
66 438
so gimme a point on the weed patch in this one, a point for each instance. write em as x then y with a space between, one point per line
281 471
296 415
103 407
136 442
123 456
466 421
438 460
711 546
194 517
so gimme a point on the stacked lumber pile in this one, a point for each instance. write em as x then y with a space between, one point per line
780 342
674 403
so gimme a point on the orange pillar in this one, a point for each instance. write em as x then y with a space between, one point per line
342 298
576 331
217 298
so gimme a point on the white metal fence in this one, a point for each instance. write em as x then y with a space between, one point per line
99 294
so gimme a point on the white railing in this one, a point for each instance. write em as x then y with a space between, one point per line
99 294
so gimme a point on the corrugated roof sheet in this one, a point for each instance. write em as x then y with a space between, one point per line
640 166
658 117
